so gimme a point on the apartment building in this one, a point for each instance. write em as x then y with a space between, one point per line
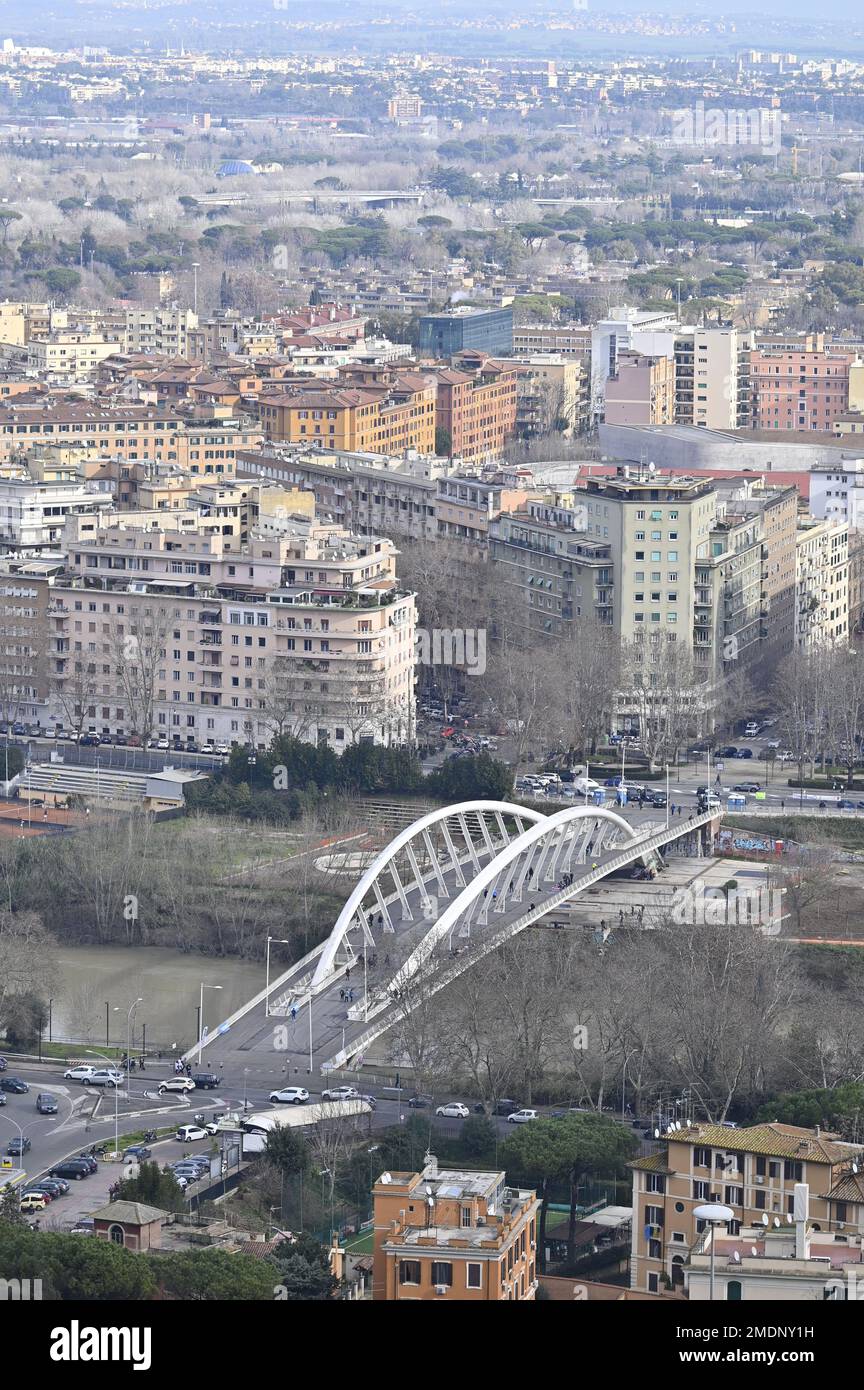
378 419
131 433
650 332
561 339
640 391
476 408
20 321
33 514
754 1171
448 1234
712 377
837 491
67 357
821 584
24 600
552 394
160 629
467 505
163 331
776 509
799 390
553 573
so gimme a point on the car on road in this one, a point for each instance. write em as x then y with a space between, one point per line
747 787
15 1085
18 1145
78 1073
506 1107
138 1152
176 1083
521 1117
34 1201
369 1100
3 1064
454 1111
657 799
46 1104
418 1102
206 1080
745 752
844 805
186 1133
340 1093
730 751
103 1077
290 1095
74 1168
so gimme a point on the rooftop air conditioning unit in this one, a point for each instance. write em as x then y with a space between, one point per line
440 1288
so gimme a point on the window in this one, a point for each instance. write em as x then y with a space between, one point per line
792 1170
118 1235
409 1271
474 1276
465 1214
701 1158
442 1273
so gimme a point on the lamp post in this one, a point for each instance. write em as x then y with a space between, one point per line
195 266
280 941
201 1018
373 1150
716 1215
107 1023
132 1008
92 1053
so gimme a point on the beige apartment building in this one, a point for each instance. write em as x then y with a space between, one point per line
553 393
551 572
161 630
563 339
67 357
754 1171
821 584
712 377
163 331
641 390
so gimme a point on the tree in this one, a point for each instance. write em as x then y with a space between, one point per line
155 1187
205 1276
62 282
287 1150
75 693
27 953
303 1272
7 217
565 1150
139 651
660 686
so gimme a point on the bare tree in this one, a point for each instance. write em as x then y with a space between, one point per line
75 692
140 652
659 685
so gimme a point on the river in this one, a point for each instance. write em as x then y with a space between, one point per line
168 981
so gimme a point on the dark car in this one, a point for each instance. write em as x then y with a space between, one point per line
745 752
206 1080
74 1168
418 1103
89 1162
89 740
15 1084
19 1145
730 751
46 1104
506 1107
55 1186
658 799
139 1152
3 1064
844 805
121 741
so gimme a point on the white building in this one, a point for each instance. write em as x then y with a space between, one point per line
33 515
650 332
837 492
821 584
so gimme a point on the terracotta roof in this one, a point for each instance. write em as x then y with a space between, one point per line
776 1140
849 1187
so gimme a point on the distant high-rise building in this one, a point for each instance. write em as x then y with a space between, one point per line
482 330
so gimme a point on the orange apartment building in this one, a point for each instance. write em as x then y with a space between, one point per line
753 1171
799 390
476 406
449 1234
385 418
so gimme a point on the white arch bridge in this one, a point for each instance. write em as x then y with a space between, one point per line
449 889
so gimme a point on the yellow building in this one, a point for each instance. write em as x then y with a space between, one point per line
385 419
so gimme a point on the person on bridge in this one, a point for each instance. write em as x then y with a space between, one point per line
671 808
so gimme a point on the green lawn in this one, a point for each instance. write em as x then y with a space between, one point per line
361 1244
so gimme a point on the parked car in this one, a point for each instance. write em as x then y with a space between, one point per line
78 1073
418 1102
176 1083
35 1201
89 1162
506 1107
55 1187
186 1134
15 1085
521 1117
18 1145
89 740
46 1104
454 1111
206 1080
747 787
340 1093
290 1095
178 1178
71 1168
730 751
745 752
138 1153
2 1098
3 1064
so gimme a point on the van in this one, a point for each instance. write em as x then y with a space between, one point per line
586 786
752 729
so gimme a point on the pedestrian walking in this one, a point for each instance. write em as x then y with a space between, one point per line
782 805
672 808
348 973
341 994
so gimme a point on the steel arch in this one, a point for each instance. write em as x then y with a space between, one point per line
379 865
486 876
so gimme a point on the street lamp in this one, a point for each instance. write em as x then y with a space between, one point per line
281 941
201 1019
373 1150
132 1008
91 1052
195 267
716 1215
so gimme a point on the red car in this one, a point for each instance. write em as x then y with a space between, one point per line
448 732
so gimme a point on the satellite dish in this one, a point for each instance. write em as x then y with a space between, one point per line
854 1167
736 1257
753 1250
677 1124
656 1134
777 1222
652 468
764 1218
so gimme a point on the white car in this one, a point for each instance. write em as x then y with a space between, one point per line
291 1095
521 1117
78 1073
222 749
454 1111
341 1093
103 1077
187 1133
177 1083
